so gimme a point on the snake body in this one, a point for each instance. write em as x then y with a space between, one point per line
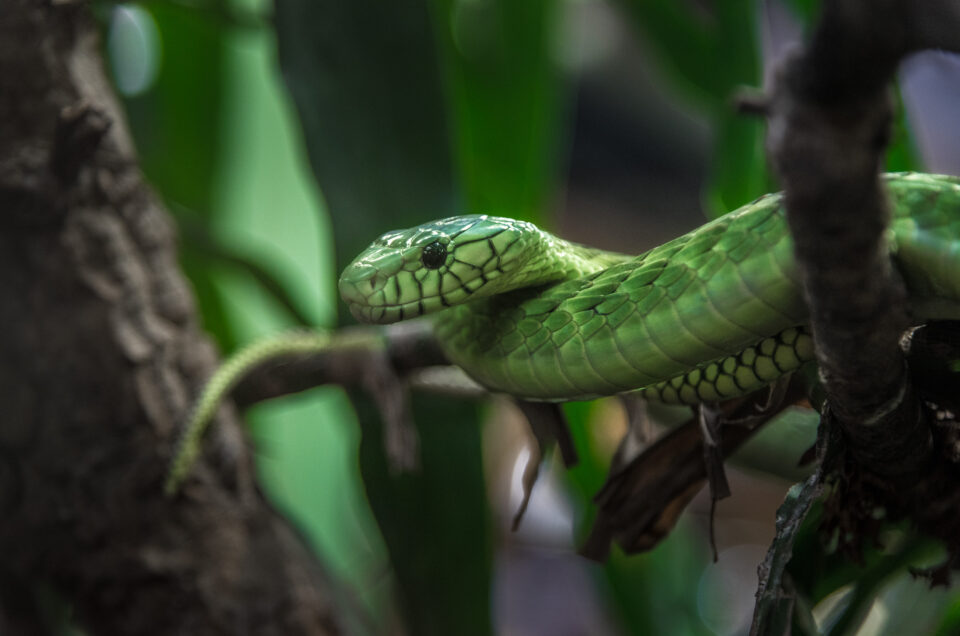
713 314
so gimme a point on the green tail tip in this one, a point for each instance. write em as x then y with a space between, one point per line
222 382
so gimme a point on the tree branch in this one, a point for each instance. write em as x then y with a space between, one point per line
828 125
404 347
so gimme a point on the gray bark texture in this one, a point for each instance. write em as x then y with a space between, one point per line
101 354
829 117
829 123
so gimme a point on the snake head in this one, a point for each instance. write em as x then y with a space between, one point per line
408 273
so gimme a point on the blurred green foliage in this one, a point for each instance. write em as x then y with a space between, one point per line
389 114
708 57
365 78
504 101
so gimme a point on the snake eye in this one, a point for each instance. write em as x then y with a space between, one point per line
434 255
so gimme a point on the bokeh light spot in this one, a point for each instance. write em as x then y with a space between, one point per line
133 43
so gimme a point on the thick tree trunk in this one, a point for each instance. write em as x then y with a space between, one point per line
100 352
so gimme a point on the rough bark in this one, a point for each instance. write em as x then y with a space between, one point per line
101 352
829 123
829 116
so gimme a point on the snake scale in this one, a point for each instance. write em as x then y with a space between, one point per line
713 314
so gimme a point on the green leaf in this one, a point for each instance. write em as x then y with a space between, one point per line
179 116
503 94
902 153
434 521
202 243
684 41
216 141
853 609
365 79
650 593
950 624
738 172
806 10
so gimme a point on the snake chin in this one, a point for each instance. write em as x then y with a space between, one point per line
386 314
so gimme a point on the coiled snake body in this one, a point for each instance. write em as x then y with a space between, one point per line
713 314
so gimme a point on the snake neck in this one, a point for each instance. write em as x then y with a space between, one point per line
554 259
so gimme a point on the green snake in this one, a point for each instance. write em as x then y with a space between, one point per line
713 314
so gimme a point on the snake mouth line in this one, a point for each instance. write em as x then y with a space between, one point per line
386 313
381 313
